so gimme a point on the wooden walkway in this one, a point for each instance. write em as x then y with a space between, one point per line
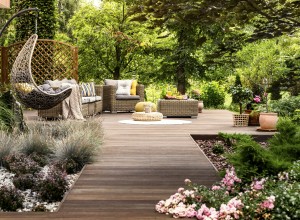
139 165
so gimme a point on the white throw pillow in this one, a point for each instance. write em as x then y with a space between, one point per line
124 87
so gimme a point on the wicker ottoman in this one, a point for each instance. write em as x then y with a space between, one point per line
142 116
178 108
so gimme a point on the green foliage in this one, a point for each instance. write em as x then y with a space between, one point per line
250 159
286 106
233 139
7 119
111 44
6 147
47 20
11 199
218 149
240 95
213 95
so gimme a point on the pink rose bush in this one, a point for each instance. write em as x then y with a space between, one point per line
230 199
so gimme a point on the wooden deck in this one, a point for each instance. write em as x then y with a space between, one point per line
138 166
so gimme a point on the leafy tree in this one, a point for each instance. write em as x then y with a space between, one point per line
66 10
46 20
110 43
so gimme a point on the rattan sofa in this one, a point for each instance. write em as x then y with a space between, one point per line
88 109
114 103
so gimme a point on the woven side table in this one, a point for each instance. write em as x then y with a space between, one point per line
178 108
142 116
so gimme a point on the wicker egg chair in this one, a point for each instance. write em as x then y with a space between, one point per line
26 90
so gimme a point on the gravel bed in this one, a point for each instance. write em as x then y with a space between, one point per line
31 197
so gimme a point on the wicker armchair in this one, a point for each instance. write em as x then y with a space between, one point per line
114 104
88 109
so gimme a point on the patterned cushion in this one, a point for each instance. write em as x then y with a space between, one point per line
88 89
124 87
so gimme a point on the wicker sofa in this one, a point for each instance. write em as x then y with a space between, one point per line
118 103
89 108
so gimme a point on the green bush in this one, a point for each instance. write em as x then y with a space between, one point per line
11 199
286 106
213 95
24 181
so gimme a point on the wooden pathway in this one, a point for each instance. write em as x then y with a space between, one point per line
139 165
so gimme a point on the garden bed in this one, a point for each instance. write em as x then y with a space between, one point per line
209 142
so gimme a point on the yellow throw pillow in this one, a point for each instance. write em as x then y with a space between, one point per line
24 87
133 87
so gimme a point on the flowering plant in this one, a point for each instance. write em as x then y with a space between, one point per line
195 94
229 199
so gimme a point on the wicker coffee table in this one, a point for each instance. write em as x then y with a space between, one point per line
178 108
142 116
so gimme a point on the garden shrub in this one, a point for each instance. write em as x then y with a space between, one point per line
276 197
24 181
79 148
38 147
233 139
21 164
6 146
213 95
52 187
11 199
286 106
249 160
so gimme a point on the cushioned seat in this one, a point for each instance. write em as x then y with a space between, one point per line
121 95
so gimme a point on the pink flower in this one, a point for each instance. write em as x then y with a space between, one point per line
207 213
216 187
258 185
257 99
268 203
180 190
187 181
230 178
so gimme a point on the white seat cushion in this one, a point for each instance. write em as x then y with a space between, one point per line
88 99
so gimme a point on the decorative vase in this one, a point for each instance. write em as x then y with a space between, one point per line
200 106
268 121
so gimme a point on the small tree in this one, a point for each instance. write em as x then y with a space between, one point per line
241 95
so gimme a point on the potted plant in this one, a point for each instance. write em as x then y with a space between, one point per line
267 120
241 96
195 94
253 109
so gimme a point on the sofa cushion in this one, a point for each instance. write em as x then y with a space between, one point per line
127 97
133 87
111 82
88 89
124 87
91 99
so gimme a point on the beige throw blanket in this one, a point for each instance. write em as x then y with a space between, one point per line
71 106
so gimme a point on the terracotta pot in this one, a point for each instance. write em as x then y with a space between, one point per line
200 106
268 120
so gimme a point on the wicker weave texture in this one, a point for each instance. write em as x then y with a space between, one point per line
183 108
87 108
51 60
142 116
110 103
240 120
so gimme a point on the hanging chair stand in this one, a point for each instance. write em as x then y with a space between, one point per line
26 90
